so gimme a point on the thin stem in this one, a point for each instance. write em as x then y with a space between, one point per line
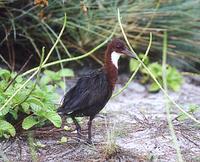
167 107
73 58
58 53
22 68
5 62
36 81
38 68
153 77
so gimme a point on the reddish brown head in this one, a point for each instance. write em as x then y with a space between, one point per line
119 46
115 49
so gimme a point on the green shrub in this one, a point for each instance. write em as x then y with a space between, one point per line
36 102
173 76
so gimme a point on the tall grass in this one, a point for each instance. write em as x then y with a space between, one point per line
26 27
151 74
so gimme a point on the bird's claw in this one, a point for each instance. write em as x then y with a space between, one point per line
89 141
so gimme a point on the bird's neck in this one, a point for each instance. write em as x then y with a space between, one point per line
111 66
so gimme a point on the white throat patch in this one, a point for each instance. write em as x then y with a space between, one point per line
115 57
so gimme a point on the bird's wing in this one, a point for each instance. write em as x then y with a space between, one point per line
85 93
73 99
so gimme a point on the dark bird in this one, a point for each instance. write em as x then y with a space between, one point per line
91 92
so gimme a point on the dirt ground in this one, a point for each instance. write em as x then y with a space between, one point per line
132 127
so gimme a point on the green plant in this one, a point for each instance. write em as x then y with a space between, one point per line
55 78
25 97
111 147
152 76
174 78
167 101
37 101
39 105
193 108
63 140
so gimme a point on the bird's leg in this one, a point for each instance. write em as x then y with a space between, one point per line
78 127
90 130
63 121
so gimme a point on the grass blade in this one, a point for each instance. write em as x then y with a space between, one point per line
153 77
167 107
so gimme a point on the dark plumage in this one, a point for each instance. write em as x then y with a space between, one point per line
91 92
84 99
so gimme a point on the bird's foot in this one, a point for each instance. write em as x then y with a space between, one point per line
89 141
103 116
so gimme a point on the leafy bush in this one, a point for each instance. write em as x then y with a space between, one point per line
173 77
34 104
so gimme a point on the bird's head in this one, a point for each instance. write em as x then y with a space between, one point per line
119 47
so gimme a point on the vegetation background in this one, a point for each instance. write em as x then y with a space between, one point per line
27 26
29 96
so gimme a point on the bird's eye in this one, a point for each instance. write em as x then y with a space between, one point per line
119 46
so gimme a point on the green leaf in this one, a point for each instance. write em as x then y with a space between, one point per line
5 110
66 72
66 128
194 108
182 117
45 80
69 120
35 104
39 93
153 87
133 64
50 88
146 60
175 86
25 107
3 84
54 118
19 79
79 119
29 122
13 113
49 73
63 140
62 84
4 74
39 144
53 75
6 127
20 96
174 79
156 69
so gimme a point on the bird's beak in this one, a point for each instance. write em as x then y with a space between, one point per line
129 53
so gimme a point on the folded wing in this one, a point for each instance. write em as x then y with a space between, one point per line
90 93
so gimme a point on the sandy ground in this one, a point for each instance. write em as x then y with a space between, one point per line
132 127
